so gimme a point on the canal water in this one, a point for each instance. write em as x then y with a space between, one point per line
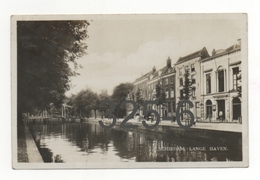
88 142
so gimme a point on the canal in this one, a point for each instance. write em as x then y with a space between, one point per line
88 142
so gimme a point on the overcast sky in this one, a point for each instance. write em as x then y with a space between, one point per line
122 47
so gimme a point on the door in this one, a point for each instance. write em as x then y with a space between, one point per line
209 109
236 108
221 107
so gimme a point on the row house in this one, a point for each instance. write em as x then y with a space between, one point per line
141 84
190 63
215 84
154 79
168 85
146 84
220 81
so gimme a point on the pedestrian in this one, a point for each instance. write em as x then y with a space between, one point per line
195 120
220 115
173 119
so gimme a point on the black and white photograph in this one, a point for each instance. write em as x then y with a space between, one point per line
129 91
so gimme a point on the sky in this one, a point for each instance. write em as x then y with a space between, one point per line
123 47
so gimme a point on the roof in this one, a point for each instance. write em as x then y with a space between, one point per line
153 74
142 77
221 52
203 53
156 73
233 47
168 70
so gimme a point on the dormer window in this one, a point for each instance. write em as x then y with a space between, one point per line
181 72
192 67
166 81
171 80
193 80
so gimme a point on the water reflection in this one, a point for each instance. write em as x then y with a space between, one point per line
86 142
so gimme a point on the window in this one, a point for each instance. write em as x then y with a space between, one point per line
166 81
154 92
171 80
208 83
186 68
181 72
181 93
141 94
193 80
235 74
167 93
181 81
172 93
221 81
169 107
193 92
192 67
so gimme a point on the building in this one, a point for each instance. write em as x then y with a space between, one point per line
219 85
190 63
155 79
168 85
146 86
140 90
140 84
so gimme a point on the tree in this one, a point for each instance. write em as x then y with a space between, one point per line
120 94
84 102
139 98
160 95
103 96
96 102
71 101
187 88
44 51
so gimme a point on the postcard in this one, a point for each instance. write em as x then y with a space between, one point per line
129 91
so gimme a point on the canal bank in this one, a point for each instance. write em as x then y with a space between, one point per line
203 131
31 147
224 127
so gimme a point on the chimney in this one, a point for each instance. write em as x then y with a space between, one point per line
239 42
213 52
169 62
154 69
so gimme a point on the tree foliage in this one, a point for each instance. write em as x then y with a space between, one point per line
160 94
139 98
44 51
120 94
103 96
187 88
85 101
